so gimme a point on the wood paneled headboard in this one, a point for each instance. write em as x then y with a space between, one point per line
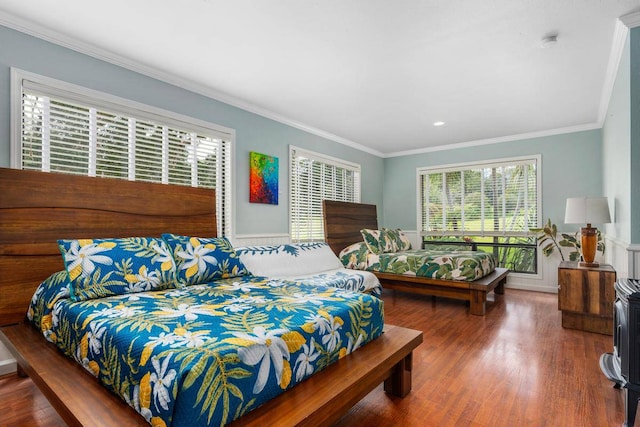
38 208
343 222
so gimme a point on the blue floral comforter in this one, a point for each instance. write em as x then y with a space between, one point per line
206 354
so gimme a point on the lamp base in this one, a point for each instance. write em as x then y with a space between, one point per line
588 264
589 243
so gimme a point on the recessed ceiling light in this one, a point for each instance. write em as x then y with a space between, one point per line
438 123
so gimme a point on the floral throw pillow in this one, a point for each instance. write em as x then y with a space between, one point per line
371 239
398 240
405 244
203 259
354 256
389 241
104 267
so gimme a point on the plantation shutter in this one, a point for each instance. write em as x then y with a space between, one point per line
313 178
487 199
76 133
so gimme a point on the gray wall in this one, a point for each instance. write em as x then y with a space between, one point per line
253 132
616 152
634 55
571 166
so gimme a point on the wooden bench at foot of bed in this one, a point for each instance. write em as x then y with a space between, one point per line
320 400
475 292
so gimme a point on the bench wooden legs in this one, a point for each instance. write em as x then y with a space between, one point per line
399 382
478 302
479 297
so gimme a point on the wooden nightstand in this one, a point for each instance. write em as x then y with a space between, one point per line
585 296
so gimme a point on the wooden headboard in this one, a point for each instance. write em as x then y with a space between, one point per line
37 209
343 222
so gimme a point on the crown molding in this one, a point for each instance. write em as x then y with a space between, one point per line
617 47
623 25
621 31
55 37
529 135
631 20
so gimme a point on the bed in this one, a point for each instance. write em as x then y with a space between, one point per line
38 208
343 222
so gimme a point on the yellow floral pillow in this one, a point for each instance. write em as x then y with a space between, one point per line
202 260
52 289
103 267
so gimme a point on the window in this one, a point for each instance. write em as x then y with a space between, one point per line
69 129
313 178
491 203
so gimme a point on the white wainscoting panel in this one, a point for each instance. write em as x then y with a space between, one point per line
616 254
7 362
633 258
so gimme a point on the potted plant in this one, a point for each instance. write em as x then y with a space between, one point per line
548 241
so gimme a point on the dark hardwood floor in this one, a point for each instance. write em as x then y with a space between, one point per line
514 366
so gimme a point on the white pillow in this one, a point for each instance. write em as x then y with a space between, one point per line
292 260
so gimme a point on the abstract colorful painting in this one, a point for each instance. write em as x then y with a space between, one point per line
263 178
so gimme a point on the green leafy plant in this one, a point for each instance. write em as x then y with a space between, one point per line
548 241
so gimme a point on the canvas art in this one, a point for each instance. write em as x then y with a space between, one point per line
263 179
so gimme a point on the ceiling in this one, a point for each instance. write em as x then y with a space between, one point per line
368 73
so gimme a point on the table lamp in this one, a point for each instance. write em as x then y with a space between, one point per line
587 210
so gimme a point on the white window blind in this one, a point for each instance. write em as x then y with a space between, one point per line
81 132
313 178
496 198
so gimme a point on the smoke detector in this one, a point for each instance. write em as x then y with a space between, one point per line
549 41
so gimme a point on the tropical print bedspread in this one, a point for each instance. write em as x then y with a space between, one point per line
350 280
206 354
450 265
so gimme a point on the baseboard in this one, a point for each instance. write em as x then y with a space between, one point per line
534 288
7 367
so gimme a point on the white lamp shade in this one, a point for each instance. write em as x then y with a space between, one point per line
587 210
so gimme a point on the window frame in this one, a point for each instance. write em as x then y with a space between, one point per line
325 159
420 171
225 197
537 158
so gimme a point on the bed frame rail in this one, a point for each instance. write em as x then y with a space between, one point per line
320 400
